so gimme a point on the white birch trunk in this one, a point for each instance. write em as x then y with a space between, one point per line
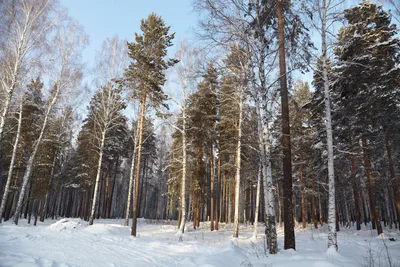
183 182
95 198
11 168
29 165
257 201
131 174
332 235
269 191
238 162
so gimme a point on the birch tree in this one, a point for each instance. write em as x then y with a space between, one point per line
332 236
11 168
106 107
27 24
108 101
186 72
64 72
237 64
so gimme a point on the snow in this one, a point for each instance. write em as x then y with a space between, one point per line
71 242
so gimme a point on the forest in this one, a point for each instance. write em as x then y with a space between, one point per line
224 130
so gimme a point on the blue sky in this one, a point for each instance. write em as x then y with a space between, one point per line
106 18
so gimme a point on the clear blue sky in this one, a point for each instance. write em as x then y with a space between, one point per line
106 18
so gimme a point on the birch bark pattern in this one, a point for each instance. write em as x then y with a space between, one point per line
10 170
257 202
332 235
183 182
238 161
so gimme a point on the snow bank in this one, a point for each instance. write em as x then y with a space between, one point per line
66 224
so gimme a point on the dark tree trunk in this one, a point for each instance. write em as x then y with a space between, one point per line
355 193
289 242
371 187
393 177
137 178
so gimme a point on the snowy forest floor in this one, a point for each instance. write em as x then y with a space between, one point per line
70 242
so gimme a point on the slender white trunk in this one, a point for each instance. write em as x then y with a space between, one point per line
11 168
257 201
269 191
183 182
131 180
31 160
96 186
238 162
332 235
4 113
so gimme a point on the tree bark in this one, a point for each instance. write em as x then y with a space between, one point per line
238 165
289 242
257 201
132 171
355 193
95 197
137 178
212 188
332 235
371 187
393 178
218 200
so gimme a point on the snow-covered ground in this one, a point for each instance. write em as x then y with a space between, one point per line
70 242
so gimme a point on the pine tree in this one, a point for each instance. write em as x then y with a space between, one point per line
146 76
367 54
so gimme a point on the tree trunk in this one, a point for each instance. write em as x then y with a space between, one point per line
371 187
43 212
393 177
112 188
183 182
137 178
211 188
95 198
355 193
303 198
257 201
238 165
131 180
218 200
332 235
11 168
290 242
